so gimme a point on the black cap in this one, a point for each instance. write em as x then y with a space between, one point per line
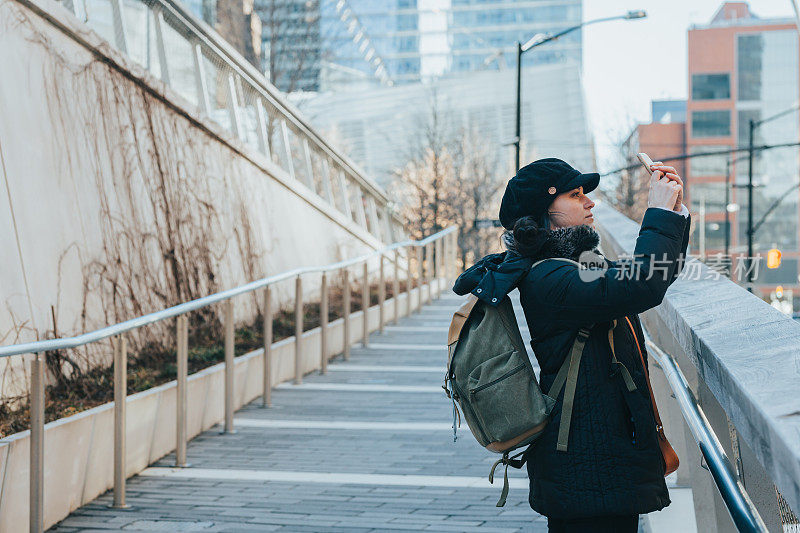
536 185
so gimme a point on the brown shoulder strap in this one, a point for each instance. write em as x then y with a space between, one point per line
647 377
460 318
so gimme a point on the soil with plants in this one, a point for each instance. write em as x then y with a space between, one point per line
154 363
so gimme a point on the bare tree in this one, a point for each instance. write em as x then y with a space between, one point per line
629 197
292 42
427 181
450 178
477 194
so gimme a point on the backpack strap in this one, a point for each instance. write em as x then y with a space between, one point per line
570 384
507 461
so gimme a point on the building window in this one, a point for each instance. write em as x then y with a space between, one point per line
711 123
709 165
713 194
749 53
711 86
713 233
743 129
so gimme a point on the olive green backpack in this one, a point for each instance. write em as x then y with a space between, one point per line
491 377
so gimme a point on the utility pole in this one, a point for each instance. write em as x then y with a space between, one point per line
750 207
540 39
727 203
702 242
518 130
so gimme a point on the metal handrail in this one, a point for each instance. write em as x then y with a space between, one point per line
740 507
177 310
440 256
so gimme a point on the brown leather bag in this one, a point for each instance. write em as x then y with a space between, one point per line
670 457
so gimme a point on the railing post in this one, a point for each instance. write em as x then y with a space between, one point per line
161 48
346 311
448 257
443 262
181 404
381 294
298 330
421 275
361 211
437 258
229 347
203 100
263 135
454 258
233 108
310 182
445 256
426 271
326 181
409 280
287 149
365 305
323 324
120 31
429 270
396 286
69 4
441 265
348 210
37 445
266 396
120 345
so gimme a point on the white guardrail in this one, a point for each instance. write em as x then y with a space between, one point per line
165 38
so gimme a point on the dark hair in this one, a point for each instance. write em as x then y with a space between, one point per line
528 236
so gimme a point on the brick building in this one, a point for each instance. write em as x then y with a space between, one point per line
740 68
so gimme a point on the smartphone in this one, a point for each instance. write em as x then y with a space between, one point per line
646 162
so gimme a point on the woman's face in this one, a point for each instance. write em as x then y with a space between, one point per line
571 208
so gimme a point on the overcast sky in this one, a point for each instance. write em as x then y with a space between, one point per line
626 64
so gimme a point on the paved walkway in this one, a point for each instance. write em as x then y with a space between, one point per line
367 447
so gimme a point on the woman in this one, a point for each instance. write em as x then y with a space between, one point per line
612 469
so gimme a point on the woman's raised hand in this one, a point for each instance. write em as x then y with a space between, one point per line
669 172
666 188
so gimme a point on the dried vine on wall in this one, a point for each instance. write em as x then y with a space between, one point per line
167 210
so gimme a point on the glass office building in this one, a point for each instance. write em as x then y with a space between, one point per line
482 33
767 84
405 41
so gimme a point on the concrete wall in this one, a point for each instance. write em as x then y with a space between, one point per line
79 450
119 198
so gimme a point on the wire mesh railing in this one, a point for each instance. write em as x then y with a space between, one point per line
200 67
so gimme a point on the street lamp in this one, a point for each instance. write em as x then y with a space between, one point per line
750 149
540 39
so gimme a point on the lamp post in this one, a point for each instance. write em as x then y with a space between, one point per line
750 149
538 40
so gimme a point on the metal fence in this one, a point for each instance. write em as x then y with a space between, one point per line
203 69
430 259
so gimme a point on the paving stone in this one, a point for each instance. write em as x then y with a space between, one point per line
246 505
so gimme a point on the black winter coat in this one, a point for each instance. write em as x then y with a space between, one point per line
613 465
